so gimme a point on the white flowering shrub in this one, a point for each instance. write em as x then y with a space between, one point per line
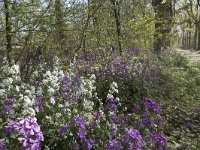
9 77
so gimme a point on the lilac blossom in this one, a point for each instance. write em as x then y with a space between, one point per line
133 138
6 109
63 129
82 133
147 120
80 121
29 130
112 104
197 110
113 145
151 105
159 139
159 120
2 146
10 100
89 143
39 103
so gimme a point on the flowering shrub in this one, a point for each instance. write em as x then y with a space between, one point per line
57 110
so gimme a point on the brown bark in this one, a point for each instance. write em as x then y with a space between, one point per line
116 11
198 37
195 37
163 20
8 29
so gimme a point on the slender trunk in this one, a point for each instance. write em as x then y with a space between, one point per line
198 48
186 38
8 29
189 36
195 37
183 39
116 11
158 16
59 24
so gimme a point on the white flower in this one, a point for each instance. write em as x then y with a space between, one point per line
58 115
32 89
8 81
27 101
51 90
31 111
28 92
48 117
39 91
60 106
52 100
66 104
17 88
88 104
2 92
61 74
75 110
110 95
48 73
14 69
35 73
93 77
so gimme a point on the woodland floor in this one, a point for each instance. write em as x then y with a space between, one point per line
193 56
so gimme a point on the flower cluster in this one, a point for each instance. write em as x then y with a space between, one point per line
150 105
29 132
133 138
2 146
62 130
159 139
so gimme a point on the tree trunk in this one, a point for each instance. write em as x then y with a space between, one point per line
163 20
183 39
189 35
116 11
195 37
59 24
8 29
198 48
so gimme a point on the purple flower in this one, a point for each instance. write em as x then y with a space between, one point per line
113 145
159 139
189 124
82 133
159 120
89 143
197 109
114 118
62 130
2 146
112 104
10 100
147 120
6 109
125 119
133 138
39 103
80 121
29 130
149 104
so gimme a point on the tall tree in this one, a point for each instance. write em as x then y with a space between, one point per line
163 19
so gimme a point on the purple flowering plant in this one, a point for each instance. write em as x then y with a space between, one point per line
72 114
